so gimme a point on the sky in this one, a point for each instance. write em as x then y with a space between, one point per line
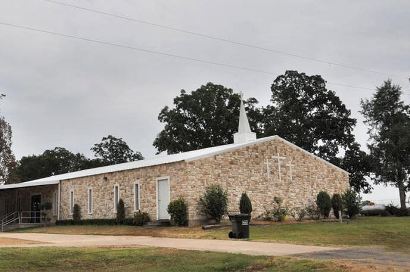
70 93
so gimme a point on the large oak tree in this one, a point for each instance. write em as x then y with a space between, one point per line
305 112
112 150
203 118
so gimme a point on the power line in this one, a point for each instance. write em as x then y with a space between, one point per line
198 34
153 52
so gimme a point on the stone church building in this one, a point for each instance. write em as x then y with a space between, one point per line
263 168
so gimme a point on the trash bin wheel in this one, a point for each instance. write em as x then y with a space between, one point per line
230 235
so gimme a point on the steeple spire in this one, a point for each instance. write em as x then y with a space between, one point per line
244 133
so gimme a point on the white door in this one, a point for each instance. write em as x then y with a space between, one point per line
163 199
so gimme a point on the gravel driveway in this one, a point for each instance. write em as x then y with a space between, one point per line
231 246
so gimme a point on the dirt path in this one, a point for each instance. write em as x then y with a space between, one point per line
245 247
4 241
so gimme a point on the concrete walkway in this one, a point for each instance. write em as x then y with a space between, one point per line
231 246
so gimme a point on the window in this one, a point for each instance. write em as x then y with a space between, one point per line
55 203
116 197
71 202
136 197
90 200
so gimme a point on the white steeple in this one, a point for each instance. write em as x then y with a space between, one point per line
244 133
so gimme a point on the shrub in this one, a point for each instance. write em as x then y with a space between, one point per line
337 204
76 213
120 212
313 211
245 204
214 202
179 212
324 203
279 212
141 218
298 213
394 210
351 203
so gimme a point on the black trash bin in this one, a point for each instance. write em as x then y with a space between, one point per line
240 225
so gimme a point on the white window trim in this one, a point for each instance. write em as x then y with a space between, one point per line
119 197
157 193
73 201
90 208
137 183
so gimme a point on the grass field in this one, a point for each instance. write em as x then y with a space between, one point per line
149 259
388 232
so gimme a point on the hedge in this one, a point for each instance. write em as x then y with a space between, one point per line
108 221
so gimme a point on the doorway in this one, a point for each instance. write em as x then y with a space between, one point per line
163 198
35 208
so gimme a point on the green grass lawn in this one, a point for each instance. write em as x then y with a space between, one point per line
148 259
392 233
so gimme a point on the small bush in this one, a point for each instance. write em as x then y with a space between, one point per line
245 204
324 203
179 212
337 204
141 218
351 203
214 202
313 211
279 212
298 213
120 212
76 213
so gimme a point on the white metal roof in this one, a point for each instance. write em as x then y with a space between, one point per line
157 160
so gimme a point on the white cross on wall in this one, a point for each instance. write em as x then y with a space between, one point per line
279 158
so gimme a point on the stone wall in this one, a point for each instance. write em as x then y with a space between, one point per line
103 190
302 176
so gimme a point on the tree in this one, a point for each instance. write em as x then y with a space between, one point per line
7 159
359 165
120 212
76 213
52 162
178 209
203 118
351 203
214 202
114 150
314 118
324 203
388 118
245 204
337 204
